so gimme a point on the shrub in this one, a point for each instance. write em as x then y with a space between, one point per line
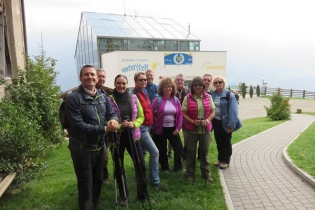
258 90
36 90
251 91
243 89
21 141
279 108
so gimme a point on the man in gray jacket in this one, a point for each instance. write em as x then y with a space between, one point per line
90 115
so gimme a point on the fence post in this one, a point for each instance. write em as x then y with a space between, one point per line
303 93
279 91
265 91
291 93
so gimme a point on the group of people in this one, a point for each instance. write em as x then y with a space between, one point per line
144 121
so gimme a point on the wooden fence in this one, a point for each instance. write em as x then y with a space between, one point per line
288 92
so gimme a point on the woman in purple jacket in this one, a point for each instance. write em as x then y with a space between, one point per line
168 121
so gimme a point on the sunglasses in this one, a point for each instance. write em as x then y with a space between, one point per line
198 85
207 80
219 82
142 80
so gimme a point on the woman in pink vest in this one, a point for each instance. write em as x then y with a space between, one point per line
198 111
168 122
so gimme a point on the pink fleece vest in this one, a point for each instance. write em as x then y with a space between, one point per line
192 111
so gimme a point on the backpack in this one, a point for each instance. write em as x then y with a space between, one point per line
62 110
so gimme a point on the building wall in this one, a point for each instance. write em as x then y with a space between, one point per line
16 42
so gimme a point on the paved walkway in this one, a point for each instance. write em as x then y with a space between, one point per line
259 178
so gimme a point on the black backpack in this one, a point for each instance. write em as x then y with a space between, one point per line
62 110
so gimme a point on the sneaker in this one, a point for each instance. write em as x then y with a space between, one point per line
217 163
123 201
166 171
159 187
169 155
189 178
209 179
224 165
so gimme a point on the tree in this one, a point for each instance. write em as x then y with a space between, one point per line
251 91
243 89
258 90
35 89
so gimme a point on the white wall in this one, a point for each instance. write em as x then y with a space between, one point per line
130 62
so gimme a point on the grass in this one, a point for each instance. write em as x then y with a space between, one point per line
56 186
301 151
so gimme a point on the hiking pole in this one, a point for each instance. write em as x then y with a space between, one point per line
114 171
204 151
121 168
135 157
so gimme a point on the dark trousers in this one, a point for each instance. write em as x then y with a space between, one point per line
223 140
161 143
136 153
88 166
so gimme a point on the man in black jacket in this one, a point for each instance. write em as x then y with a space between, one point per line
87 111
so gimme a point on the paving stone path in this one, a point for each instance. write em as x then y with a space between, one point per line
259 178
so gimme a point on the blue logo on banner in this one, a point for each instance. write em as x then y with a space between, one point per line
178 59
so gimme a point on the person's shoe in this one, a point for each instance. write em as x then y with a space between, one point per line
224 165
166 171
189 178
209 179
169 155
123 201
106 178
159 187
180 170
217 164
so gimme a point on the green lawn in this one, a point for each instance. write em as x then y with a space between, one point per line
56 186
301 151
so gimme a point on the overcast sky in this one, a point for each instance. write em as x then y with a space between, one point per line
270 39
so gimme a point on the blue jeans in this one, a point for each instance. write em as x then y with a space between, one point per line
148 144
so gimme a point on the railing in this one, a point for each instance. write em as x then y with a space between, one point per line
267 91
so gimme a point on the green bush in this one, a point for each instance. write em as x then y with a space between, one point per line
258 90
279 108
243 89
36 90
21 141
251 91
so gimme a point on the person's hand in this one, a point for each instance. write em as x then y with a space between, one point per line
131 124
112 125
125 123
176 132
196 123
229 130
203 122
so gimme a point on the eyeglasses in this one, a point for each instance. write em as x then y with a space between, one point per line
142 80
207 80
179 80
198 85
218 82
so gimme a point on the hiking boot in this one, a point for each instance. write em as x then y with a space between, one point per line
166 171
123 201
224 165
159 187
209 179
217 164
189 178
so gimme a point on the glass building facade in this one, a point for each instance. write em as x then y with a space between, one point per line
101 33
